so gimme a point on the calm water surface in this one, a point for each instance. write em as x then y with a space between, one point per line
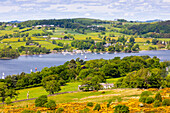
26 63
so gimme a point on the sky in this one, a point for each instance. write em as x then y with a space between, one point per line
99 9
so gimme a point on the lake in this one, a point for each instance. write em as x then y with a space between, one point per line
26 63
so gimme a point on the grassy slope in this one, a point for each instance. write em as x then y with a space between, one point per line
38 91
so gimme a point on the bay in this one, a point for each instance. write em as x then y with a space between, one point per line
28 63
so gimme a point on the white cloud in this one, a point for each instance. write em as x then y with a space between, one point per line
141 0
129 14
122 0
28 5
6 9
21 0
84 8
166 0
87 14
41 1
116 3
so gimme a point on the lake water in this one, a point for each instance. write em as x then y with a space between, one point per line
26 63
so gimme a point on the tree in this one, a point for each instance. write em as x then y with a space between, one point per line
148 41
54 42
3 88
51 84
51 104
40 101
92 48
154 41
132 40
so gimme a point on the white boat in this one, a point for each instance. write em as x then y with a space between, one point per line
85 57
40 55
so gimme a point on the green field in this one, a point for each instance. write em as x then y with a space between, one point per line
38 91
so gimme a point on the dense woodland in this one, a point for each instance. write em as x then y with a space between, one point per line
9 53
138 72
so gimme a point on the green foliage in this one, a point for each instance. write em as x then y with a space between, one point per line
9 53
41 101
38 111
145 93
60 110
51 84
149 100
85 110
8 100
166 102
97 107
158 97
27 111
157 103
90 104
121 109
51 104
142 99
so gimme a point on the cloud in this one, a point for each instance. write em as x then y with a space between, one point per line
87 14
6 9
28 5
166 0
41 1
21 0
129 14
122 0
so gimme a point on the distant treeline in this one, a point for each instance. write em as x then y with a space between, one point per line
160 29
138 72
63 23
9 53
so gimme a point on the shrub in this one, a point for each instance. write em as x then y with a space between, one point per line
97 107
85 110
149 100
121 109
157 103
8 100
142 99
27 111
40 101
158 97
59 110
38 111
145 94
109 102
166 102
90 104
50 104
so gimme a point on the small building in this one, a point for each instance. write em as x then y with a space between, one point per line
107 85
108 44
104 86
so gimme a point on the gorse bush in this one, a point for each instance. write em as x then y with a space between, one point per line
51 104
40 101
121 109
8 100
59 110
157 103
97 107
27 111
158 97
149 100
90 104
85 110
166 102
142 99
145 93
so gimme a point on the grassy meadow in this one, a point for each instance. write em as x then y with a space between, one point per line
38 91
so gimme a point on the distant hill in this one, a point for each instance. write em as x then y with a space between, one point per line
15 21
150 21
